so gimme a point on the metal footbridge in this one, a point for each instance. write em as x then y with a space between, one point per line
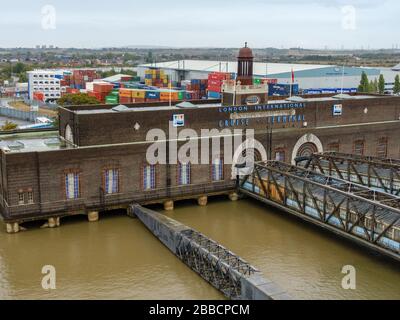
375 173
224 270
365 215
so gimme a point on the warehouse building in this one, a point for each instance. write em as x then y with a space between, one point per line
307 76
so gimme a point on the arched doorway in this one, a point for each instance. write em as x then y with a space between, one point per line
306 145
68 134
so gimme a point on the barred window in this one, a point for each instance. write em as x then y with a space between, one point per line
149 177
72 185
218 170
111 181
184 174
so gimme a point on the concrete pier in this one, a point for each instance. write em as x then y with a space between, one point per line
224 270
12 227
233 196
93 216
202 201
53 222
169 205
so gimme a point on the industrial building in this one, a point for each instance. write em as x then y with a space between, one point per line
45 82
307 76
97 161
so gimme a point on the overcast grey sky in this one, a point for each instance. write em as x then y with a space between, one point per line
207 23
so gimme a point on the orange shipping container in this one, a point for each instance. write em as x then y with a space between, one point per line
125 93
166 95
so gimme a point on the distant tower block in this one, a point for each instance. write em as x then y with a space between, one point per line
245 66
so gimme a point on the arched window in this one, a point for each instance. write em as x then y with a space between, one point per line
149 177
333 147
217 169
184 174
382 148
359 146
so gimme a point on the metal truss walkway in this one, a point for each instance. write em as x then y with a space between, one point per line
377 173
367 216
223 269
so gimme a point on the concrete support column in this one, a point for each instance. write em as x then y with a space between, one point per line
202 201
12 227
169 205
93 216
233 196
54 222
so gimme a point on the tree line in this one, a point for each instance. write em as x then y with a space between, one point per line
377 86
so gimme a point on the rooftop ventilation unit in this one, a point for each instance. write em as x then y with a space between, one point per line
52 142
343 96
16 145
186 105
120 108
296 99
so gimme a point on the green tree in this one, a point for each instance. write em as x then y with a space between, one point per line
376 87
364 83
9 126
77 100
396 88
381 84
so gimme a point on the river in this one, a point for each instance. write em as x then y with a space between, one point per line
118 258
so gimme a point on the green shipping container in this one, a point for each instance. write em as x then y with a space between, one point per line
111 100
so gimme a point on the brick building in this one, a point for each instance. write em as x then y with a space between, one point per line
97 161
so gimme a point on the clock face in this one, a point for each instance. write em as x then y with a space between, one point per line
253 100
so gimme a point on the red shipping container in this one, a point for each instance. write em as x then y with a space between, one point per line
215 88
125 100
103 87
214 83
269 81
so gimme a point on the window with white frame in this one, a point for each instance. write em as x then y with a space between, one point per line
30 197
217 170
149 177
184 172
111 180
21 198
72 185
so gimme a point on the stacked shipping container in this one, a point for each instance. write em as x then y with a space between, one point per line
156 77
215 81
80 77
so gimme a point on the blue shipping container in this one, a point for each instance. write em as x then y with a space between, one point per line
214 95
152 95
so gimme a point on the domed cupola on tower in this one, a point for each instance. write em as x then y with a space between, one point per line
245 66
243 91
